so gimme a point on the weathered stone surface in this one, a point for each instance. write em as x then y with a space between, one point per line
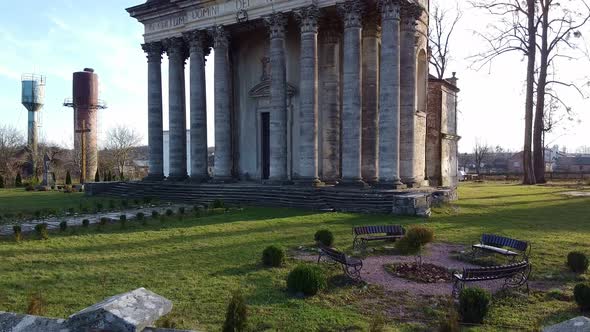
10 322
578 324
129 312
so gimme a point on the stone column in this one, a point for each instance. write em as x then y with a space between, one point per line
308 96
223 137
176 50
276 24
155 122
198 43
351 12
410 13
389 97
370 115
330 101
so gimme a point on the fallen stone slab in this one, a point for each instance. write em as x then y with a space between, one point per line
10 322
129 312
578 324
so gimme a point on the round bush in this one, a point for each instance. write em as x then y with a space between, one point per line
473 305
140 216
155 214
181 210
63 226
324 237
422 235
103 221
273 256
582 296
169 213
85 223
306 279
577 262
41 230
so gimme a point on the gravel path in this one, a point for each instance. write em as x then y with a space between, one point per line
439 254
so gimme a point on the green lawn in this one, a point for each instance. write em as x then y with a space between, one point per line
198 262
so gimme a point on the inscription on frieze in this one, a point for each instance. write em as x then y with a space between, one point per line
232 7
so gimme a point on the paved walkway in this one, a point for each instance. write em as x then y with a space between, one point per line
76 219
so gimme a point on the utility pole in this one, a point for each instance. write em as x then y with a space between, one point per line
82 133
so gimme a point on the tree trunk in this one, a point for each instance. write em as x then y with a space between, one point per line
538 147
529 174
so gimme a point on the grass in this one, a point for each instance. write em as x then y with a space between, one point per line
198 262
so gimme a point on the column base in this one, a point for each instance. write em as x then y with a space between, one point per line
308 182
278 182
412 183
177 178
154 178
352 183
388 184
222 180
200 178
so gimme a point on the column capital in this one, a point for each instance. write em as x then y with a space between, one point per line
176 48
371 27
220 36
410 13
390 9
352 13
277 25
308 18
198 41
154 51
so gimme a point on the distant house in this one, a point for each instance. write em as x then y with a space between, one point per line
573 164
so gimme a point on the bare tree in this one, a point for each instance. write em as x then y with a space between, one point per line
480 154
559 23
121 142
440 33
11 140
516 31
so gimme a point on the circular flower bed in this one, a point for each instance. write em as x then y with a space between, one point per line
423 273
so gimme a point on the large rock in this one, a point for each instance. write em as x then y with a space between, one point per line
578 324
129 312
10 322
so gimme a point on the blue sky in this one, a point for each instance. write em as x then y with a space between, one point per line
58 37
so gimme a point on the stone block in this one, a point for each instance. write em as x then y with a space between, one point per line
27 323
578 324
129 312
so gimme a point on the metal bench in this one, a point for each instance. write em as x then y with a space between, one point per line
351 266
498 244
364 234
515 275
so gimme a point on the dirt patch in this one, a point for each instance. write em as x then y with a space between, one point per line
577 193
422 273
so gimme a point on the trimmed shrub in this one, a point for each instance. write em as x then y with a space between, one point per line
236 317
324 237
123 220
217 204
1 181
97 177
273 256
140 216
41 230
169 213
63 226
68 179
473 305
29 187
181 210
85 223
18 233
582 296
577 262
18 181
306 279
422 235
155 214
